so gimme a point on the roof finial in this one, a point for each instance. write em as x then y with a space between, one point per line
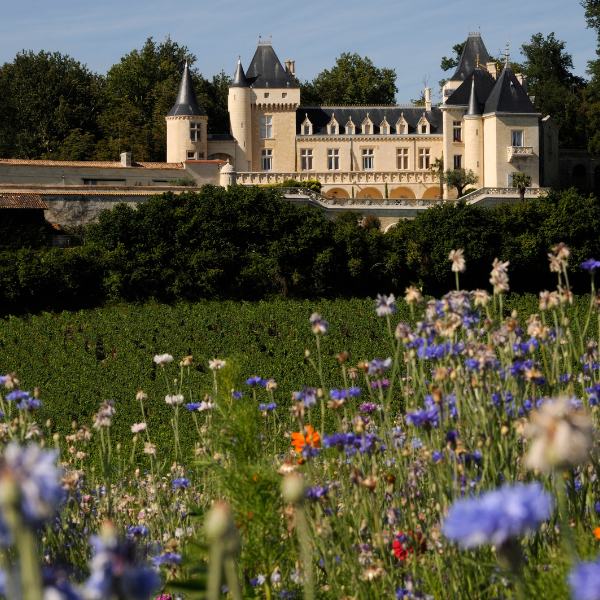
506 53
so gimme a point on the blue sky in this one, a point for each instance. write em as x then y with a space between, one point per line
408 36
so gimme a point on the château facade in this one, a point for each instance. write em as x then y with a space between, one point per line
486 122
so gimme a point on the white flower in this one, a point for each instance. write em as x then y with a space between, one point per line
499 278
481 297
458 261
150 449
260 579
385 305
562 436
175 399
178 532
137 427
412 295
216 365
205 406
163 359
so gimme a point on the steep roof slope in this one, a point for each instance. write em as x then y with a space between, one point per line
265 70
187 101
468 58
484 84
508 95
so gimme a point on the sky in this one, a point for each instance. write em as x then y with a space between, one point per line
406 35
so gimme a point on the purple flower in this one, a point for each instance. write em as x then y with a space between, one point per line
384 384
584 581
254 380
137 532
268 407
424 417
181 482
29 404
238 395
316 492
318 324
498 515
194 406
385 305
308 395
341 394
590 265
379 365
168 558
18 395
369 407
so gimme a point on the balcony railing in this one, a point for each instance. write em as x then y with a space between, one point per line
338 177
519 152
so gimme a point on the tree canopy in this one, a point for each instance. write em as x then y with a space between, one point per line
352 80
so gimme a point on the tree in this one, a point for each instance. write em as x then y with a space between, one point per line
352 80
452 62
592 16
557 91
44 98
460 178
522 181
437 169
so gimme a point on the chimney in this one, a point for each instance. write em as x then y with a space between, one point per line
522 79
428 99
492 69
290 67
126 159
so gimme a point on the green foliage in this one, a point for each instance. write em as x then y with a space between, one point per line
312 184
22 229
49 105
352 80
459 178
451 63
184 181
557 91
522 181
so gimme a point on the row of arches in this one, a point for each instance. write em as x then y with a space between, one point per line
371 192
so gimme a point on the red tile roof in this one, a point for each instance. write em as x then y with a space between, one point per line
89 163
21 200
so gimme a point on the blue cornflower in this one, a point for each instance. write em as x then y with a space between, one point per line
308 395
137 532
193 405
436 455
318 324
369 407
268 407
379 365
181 482
416 443
238 395
254 380
168 558
385 305
429 417
341 394
18 395
497 516
472 364
316 492
584 581
29 404
590 265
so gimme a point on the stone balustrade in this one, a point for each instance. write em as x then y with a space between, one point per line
339 177
519 152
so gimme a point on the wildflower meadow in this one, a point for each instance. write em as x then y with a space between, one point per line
460 462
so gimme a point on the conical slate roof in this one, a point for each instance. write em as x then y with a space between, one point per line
187 101
474 107
484 84
508 95
468 58
265 70
239 79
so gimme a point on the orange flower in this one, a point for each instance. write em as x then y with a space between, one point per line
312 439
597 532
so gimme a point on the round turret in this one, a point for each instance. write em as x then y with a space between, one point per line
238 102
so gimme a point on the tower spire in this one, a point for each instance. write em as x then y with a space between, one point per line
506 54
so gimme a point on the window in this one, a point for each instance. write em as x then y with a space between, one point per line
402 130
333 129
196 132
367 129
350 129
423 128
307 160
368 159
385 130
266 94
457 161
267 159
266 127
510 178
517 137
402 154
457 131
284 95
423 158
90 182
200 155
333 159
248 166
306 129
191 155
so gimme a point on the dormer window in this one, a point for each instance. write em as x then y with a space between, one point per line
402 126
350 127
423 127
333 129
306 128
367 126
196 132
384 128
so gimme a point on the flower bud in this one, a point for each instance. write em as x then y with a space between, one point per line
307 353
49 423
292 488
56 437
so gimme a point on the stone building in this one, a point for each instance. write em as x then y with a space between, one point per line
486 122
